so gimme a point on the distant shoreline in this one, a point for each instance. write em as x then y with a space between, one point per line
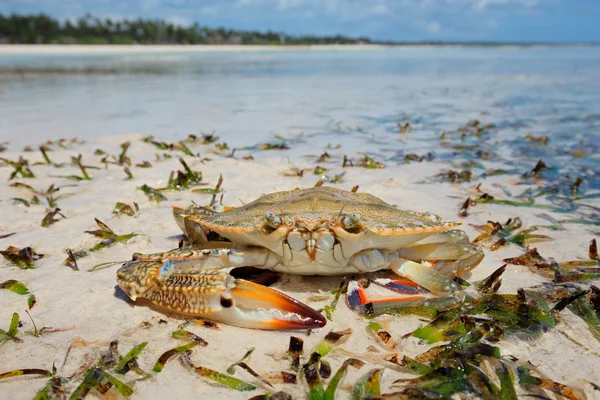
179 48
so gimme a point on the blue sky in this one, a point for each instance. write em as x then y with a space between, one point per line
490 20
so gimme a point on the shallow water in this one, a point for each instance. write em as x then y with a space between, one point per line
349 97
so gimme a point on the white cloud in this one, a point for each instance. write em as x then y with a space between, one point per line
433 27
380 7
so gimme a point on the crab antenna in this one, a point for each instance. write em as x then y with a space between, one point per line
340 214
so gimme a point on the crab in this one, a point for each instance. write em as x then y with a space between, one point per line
316 231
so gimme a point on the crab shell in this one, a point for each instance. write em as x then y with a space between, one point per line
318 230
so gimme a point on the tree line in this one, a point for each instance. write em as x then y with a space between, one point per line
43 29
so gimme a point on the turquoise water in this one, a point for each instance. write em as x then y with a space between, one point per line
316 98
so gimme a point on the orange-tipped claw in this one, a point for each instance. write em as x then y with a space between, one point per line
260 307
215 295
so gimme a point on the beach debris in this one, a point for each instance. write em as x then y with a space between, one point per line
166 356
368 386
123 158
55 388
537 171
541 140
453 176
222 147
242 364
71 260
65 144
207 138
347 162
507 233
381 334
83 168
332 339
218 377
530 376
295 351
128 173
464 209
183 180
410 157
319 170
486 198
323 158
587 307
403 126
24 258
31 301
97 376
295 172
316 368
178 146
183 334
109 238
50 217
369 163
338 178
144 164
44 150
21 167
566 271
7 235
48 194
129 361
124 209
179 334
273 396
312 378
342 289
270 146
14 286
329 393
213 191
11 334
153 194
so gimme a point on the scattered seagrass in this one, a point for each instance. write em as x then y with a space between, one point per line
467 358
24 258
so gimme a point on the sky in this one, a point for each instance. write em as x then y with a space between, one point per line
400 20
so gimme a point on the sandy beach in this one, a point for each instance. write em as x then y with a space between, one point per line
89 311
144 49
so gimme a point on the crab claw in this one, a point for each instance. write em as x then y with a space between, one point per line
215 295
251 305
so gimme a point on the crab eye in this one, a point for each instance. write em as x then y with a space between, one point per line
350 221
272 219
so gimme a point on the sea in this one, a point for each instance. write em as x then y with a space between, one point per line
395 104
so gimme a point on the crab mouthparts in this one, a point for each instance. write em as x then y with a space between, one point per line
311 248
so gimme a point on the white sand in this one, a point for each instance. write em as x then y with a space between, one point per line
93 309
176 48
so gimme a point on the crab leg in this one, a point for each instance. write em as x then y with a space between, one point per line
196 283
449 236
450 259
213 255
463 257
